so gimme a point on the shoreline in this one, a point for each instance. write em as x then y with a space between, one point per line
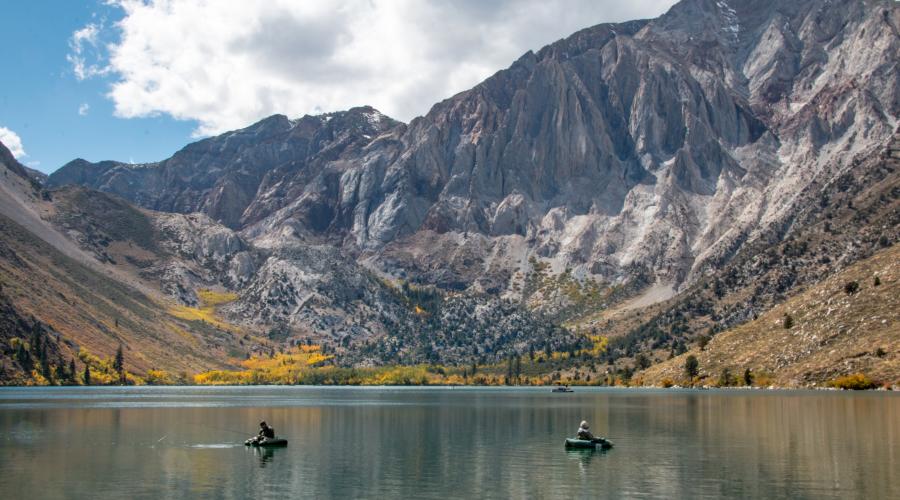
536 388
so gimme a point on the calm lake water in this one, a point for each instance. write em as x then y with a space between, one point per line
151 442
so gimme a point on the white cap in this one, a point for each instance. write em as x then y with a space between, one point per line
584 424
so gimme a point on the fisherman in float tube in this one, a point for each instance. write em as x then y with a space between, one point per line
583 432
265 432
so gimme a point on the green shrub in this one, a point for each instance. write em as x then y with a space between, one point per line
703 341
748 377
788 321
726 379
691 367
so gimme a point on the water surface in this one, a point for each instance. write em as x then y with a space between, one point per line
154 442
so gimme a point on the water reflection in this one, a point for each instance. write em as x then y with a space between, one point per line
583 456
265 455
352 443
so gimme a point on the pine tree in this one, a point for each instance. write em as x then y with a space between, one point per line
24 358
788 322
691 367
748 377
45 365
72 373
59 373
47 373
119 364
703 341
725 379
36 340
87 374
642 361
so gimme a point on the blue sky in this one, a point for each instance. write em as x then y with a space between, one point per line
40 96
136 80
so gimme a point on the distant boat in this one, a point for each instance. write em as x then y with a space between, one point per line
562 389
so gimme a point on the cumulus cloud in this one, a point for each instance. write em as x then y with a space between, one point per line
84 108
13 142
230 62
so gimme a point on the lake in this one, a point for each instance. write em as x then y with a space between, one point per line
177 442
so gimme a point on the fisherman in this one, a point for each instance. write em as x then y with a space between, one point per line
265 432
584 433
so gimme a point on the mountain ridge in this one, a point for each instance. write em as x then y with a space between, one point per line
628 163
469 165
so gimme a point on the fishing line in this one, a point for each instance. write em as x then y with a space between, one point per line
219 429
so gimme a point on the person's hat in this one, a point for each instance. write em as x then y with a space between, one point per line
584 424
262 423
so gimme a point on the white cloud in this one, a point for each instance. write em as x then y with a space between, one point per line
13 142
230 62
83 109
84 47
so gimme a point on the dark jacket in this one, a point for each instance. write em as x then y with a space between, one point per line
267 432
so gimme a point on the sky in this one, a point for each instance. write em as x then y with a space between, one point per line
137 80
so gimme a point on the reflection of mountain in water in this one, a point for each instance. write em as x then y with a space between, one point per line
414 443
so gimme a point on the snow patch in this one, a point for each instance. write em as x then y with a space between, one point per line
732 26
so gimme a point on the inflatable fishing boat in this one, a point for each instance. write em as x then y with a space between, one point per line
267 442
604 444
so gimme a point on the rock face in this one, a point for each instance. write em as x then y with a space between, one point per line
655 148
234 177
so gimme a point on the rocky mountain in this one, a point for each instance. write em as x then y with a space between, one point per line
660 146
649 180
90 272
240 176
844 221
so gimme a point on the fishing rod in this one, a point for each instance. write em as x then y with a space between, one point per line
217 428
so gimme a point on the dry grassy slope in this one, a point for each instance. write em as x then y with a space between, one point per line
85 302
87 292
84 307
834 333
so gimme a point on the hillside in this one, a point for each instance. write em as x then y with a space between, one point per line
84 309
619 196
835 332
